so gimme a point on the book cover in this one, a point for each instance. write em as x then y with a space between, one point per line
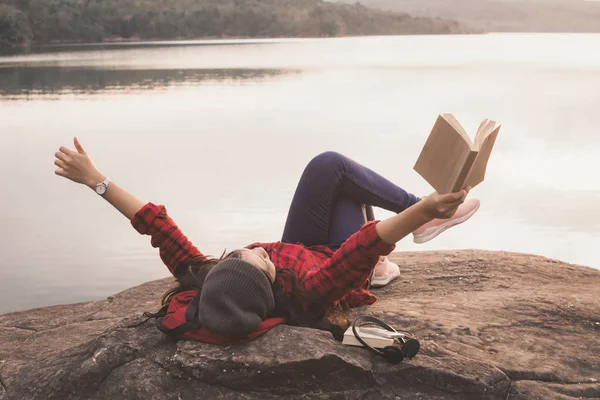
449 160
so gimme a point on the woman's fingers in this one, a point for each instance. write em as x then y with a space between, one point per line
452 197
459 196
61 172
78 146
61 156
61 164
457 202
446 205
451 202
66 151
75 165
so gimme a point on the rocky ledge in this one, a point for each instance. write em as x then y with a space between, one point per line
492 325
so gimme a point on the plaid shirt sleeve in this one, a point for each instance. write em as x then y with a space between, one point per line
349 267
174 247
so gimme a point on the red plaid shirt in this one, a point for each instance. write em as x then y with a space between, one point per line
338 279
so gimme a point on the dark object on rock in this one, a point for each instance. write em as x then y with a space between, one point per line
403 347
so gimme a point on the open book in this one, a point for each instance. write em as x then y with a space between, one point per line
450 161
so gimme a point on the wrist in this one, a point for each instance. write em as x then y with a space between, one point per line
94 180
425 211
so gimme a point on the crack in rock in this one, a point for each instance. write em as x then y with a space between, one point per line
20 328
536 376
508 391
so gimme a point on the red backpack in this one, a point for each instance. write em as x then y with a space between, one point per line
179 319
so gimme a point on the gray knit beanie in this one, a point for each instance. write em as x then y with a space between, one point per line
235 298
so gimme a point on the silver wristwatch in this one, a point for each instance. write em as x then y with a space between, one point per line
102 186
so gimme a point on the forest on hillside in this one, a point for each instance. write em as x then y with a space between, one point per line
45 21
502 15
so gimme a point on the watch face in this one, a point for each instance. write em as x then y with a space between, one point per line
100 189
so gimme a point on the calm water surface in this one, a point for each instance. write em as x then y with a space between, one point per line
220 132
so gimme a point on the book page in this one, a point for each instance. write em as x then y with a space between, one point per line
477 173
480 128
443 157
458 127
483 133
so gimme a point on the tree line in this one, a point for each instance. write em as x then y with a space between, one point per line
503 15
45 21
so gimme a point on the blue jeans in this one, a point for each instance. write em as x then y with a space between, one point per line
327 206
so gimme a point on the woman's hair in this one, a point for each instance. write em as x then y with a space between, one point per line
287 305
192 276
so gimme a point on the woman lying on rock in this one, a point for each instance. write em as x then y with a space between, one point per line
326 260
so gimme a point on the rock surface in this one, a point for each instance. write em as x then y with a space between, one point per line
492 325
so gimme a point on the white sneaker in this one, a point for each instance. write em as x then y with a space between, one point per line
385 271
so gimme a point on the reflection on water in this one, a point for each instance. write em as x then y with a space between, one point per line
25 81
56 48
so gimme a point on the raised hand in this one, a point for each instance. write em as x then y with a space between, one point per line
444 205
77 166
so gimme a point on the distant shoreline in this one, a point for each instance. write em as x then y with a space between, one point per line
213 41
224 40
262 39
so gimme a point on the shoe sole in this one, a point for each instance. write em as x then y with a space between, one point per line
385 281
433 232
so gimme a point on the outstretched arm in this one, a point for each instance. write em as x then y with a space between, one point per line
79 167
148 219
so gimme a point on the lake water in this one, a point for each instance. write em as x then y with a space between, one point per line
220 132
